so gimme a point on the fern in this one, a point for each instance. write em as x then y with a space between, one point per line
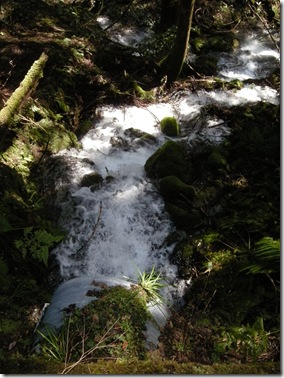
267 257
37 243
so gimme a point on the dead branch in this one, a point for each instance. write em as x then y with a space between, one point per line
26 86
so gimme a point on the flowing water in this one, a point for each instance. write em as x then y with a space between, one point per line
119 227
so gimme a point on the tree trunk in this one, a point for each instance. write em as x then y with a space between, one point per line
174 62
29 83
169 14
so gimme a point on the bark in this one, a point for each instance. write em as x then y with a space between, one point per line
175 60
169 14
28 84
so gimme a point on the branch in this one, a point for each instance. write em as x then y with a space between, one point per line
29 83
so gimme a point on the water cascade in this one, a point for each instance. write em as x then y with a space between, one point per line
118 226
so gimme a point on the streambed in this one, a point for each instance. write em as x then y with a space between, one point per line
119 226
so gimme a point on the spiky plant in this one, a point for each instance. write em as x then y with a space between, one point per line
150 284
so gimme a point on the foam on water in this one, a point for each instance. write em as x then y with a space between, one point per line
255 59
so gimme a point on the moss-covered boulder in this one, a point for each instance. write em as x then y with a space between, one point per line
170 126
168 160
172 186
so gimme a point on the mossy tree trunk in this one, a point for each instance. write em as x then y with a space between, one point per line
173 64
29 83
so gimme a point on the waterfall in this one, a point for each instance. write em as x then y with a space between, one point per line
119 226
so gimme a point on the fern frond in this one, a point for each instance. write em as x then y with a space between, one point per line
267 257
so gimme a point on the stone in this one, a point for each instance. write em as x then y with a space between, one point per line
170 126
168 160
92 180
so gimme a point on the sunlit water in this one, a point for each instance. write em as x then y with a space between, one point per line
120 228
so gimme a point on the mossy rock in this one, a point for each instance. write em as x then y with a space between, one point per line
206 64
139 136
168 160
170 126
225 42
172 186
185 218
92 180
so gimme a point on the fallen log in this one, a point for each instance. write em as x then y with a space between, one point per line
28 84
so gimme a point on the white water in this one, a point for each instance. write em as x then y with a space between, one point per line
122 226
256 58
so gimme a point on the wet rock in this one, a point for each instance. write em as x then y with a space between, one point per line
168 160
92 180
172 187
139 137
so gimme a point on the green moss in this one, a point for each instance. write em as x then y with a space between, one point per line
169 159
172 187
169 126
225 42
152 365
183 216
141 93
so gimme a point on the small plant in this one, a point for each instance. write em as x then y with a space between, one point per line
55 345
112 326
37 243
250 341
150 284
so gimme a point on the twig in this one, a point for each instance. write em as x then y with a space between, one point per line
121 15
92 234
84 355
266 27
210 299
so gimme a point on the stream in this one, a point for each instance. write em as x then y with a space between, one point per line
118 227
